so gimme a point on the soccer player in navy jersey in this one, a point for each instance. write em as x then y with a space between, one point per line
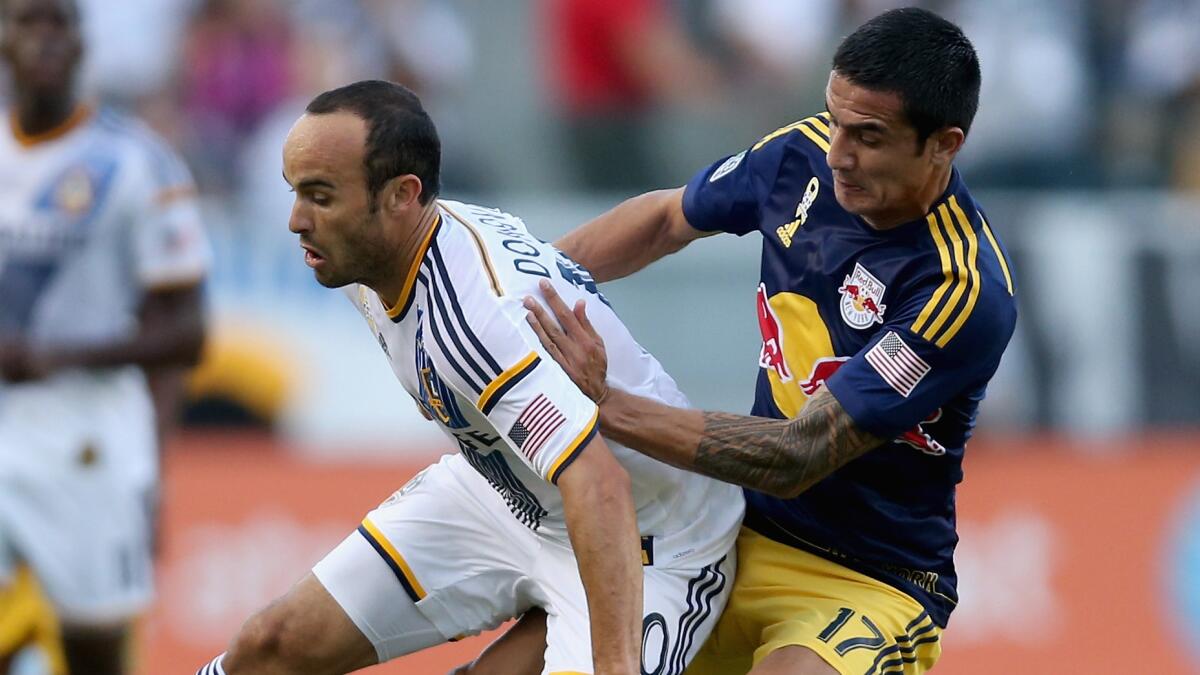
885 304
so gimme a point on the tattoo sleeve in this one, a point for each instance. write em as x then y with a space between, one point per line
781 457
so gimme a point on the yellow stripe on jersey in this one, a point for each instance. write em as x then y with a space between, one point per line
947 270
410 280
398 559
490 391
961 278
972 270
987 231
813 127
572 449
815 137
821 122
483 254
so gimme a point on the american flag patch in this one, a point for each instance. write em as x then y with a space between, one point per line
897 364
535 425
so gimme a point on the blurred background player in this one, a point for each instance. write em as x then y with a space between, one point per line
535 510
102 256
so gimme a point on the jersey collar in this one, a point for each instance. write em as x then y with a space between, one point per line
78 116
399 308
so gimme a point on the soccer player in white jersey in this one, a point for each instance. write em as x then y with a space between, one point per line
630 559
101 259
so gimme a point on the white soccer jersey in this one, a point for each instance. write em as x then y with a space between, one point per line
92 215
458 341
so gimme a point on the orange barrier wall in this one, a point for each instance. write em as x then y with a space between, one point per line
1068 563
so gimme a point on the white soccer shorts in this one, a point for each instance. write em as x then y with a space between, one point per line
449 544
76 498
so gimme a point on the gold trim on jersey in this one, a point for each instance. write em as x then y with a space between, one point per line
815 128
947 270
410 281
575 446
972 270
483 254
987 231
77 117
485 398
377 535
958 249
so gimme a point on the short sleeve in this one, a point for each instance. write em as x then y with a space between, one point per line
169 244
903 375
724 196
480 349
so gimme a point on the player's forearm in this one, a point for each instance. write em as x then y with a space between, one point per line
629 237
779 457
177 344
602 525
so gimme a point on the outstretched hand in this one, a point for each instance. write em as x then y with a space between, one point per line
571 340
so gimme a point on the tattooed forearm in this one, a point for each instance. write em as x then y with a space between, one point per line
781 457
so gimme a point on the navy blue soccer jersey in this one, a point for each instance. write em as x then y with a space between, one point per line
905 327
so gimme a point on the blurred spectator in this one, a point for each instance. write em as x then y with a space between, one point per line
126 70
784 41
1036 115
236 70
611 62
1163 70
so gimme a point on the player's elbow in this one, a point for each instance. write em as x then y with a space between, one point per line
789 480
596 478
787 487
613 483
190 341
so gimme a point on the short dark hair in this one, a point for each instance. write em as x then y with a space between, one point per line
401 138
924 58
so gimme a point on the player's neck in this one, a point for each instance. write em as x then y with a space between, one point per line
924 200
392 289
37 115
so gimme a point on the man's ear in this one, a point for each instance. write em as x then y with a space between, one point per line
401 193
946 143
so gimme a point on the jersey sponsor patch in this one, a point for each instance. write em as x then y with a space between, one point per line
862 294
535 425
897 363
729 165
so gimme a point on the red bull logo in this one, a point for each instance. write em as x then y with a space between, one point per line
822 370
916 437
771 355
862 296
920 439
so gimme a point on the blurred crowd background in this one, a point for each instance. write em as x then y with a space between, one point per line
1086 151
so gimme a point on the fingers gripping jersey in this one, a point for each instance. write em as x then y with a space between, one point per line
904 326
458 341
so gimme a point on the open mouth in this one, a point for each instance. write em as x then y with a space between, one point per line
311 257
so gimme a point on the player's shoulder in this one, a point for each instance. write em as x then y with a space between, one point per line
961 289
134 141
808 136
494 250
